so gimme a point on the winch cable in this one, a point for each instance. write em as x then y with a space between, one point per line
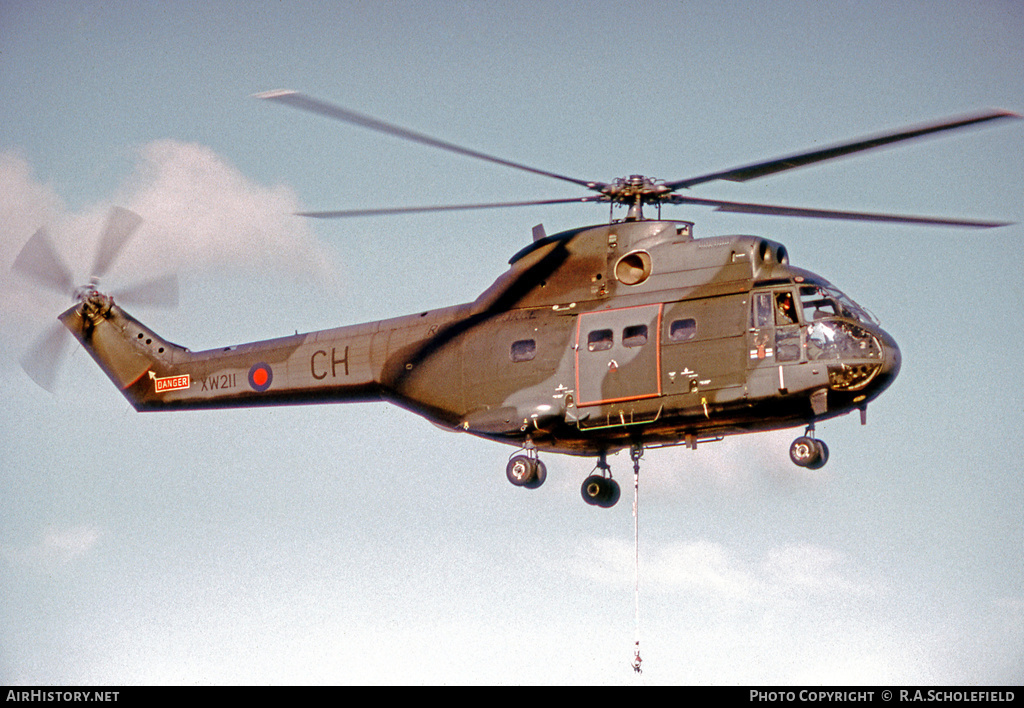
636 452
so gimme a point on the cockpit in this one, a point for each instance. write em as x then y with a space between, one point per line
811 320
830 334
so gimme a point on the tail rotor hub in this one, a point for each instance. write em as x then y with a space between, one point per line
96 305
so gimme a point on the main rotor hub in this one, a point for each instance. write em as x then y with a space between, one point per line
636 189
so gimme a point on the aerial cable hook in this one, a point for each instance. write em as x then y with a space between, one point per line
636 451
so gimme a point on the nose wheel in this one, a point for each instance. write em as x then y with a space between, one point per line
599 489
807 451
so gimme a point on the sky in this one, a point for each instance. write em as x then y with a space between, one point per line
358 543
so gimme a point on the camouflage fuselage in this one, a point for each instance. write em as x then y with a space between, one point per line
594 339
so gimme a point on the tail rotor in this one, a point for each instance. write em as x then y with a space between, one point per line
39 262
121 225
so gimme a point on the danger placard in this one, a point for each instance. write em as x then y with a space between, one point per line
171 383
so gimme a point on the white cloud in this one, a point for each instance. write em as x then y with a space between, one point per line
25 204
791 613
198 212
814 569
202 211
57 547
705 567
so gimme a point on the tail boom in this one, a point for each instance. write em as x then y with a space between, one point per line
154 374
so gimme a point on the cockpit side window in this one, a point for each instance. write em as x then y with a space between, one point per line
785 309
761 314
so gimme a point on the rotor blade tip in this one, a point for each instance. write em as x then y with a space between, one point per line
276 93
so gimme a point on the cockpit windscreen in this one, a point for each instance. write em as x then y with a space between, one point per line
824 301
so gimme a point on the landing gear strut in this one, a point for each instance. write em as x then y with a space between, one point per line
526 470
600 489
807 451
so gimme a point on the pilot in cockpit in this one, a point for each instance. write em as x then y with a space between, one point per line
785 310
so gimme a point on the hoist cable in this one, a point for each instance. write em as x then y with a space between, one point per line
636 453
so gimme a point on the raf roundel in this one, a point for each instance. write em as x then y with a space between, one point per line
261 376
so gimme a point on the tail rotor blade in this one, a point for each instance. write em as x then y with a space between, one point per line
121 224
40 262
158 292
43 360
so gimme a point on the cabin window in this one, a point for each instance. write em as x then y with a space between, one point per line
635 336
682 330
600 340
523 350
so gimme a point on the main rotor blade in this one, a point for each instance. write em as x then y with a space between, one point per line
307 103
121 224
43 359
770 210
157 292
781 164
39 261
452 207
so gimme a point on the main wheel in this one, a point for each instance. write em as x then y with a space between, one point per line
822 456
524 471
600 491
613 495
521 470
540 474
804 452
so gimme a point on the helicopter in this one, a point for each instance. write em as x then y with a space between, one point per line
628 334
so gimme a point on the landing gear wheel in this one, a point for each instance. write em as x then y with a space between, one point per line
822 456
600 491
522 470
808 452
526 471
540 474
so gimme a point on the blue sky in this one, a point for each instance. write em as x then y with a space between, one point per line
343 544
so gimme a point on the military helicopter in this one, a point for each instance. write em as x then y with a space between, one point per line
627 334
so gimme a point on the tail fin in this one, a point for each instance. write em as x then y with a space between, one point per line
123 347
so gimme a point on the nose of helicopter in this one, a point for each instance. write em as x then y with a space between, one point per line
892 359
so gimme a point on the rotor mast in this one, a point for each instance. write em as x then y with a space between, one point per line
635 191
